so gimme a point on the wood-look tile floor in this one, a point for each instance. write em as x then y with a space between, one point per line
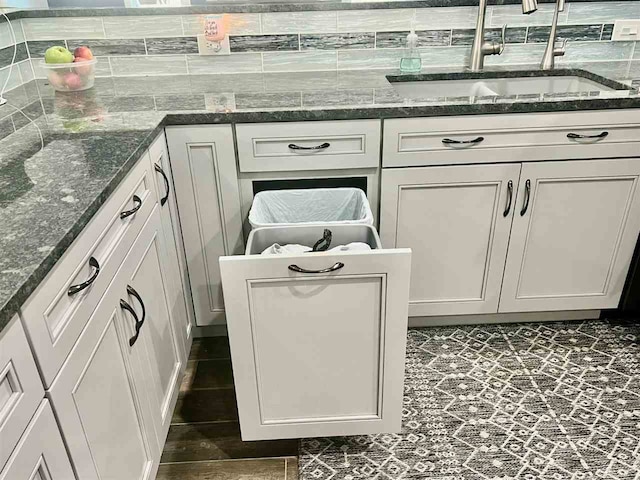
204 438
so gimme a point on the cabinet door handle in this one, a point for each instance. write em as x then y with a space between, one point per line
576 136
127 307
138 204
93 263
527 195
509 198
167 188
451 141
322 146
296 268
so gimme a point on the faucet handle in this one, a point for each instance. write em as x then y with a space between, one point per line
503 39
561 50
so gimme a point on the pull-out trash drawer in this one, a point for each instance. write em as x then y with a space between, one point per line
317 338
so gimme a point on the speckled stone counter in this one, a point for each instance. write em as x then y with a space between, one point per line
93 138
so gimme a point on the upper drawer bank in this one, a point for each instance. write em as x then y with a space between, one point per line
324 145
511 137
56 313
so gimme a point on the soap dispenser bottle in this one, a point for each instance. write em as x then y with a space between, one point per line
411 62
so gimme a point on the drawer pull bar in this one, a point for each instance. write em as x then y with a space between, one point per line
527 195
509 198
73 289
138 323
576 136
159 169
296 268
322 146
127 213
451 141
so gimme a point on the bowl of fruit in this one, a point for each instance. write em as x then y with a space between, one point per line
70 72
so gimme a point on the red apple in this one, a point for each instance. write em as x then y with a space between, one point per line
80 68
83 52
72 81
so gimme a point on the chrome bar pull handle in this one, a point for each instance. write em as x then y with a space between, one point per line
336 266
451 141
509 198
167 188
577 136
527 195
138 203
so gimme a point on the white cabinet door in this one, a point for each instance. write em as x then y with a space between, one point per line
318 354
179 293
456 220
574 232
203 163
40 454
147 292
99 406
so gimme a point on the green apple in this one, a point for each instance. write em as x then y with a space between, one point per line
58 55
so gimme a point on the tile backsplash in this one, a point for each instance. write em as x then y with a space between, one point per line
331 40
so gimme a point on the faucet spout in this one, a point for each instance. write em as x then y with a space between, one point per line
529 6
551 51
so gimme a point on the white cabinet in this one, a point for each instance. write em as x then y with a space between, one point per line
117 389
203 163
178 290
571 246
40 454
456 220
20 386
565 243
318 353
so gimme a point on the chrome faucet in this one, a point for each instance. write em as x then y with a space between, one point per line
482 48
551 52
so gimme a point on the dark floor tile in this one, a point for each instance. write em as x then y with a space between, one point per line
262 469
209 347
292 468
205 374
205 406
219 441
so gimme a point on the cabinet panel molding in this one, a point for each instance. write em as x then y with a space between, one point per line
453 218
204 170
571 246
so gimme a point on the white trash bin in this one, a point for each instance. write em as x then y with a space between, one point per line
314 206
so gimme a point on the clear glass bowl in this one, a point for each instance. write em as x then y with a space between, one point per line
71 77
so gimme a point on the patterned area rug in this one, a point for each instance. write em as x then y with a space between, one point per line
528 401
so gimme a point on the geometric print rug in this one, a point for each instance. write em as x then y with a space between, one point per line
523 401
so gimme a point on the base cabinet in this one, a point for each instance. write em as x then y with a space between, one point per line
204 170
573 235
456 220
40 453
318 354
116 392
544 236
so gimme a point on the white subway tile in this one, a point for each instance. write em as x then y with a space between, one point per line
52 28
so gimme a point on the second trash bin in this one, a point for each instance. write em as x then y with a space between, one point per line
325 206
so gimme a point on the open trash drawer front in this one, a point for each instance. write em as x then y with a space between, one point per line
318 354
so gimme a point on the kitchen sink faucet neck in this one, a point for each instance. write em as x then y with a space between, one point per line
551 52
482 48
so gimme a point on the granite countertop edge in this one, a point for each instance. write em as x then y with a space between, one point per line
9 309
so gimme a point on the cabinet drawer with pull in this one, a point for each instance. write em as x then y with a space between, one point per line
57 311
508 138
323 145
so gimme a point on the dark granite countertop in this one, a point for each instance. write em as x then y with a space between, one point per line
93 138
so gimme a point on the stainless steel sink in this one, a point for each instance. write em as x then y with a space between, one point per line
503 86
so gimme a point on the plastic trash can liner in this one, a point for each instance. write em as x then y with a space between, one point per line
326 206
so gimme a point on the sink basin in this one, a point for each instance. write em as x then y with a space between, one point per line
504 86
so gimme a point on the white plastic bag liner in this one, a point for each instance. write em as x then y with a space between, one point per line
326 206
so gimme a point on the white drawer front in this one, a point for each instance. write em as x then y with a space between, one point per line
20 387
340 334
53 316
510 137
264 147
